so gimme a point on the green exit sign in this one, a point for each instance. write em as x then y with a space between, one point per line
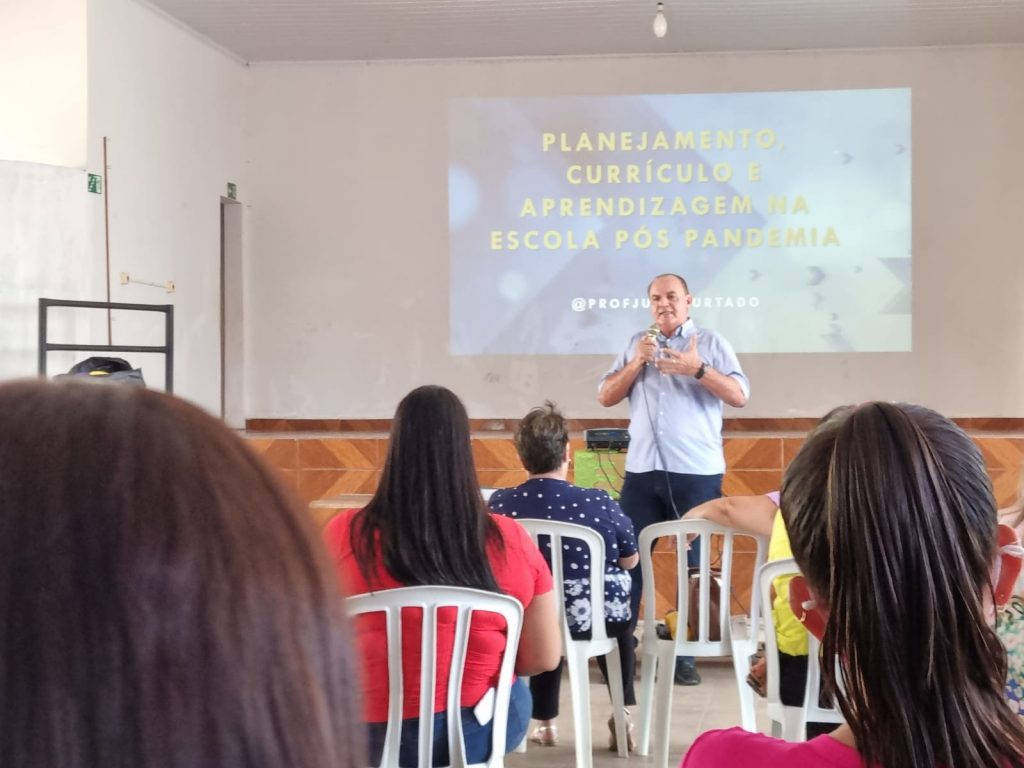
95 183
232 191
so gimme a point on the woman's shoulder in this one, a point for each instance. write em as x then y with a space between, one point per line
735 746
337 531
503 494
515 500
512 533
593 501
728 746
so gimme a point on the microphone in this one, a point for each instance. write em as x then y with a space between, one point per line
652 333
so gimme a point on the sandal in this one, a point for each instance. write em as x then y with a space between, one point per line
545 735
613 740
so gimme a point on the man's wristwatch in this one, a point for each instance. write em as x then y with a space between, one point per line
701 371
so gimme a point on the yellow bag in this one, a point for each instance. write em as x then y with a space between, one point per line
714 595
671 619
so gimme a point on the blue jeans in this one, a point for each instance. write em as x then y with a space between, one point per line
654 497
477 736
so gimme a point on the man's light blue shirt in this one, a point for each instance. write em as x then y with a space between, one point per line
675 422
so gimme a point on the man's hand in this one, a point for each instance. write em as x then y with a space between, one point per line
685 363
646 350
616 387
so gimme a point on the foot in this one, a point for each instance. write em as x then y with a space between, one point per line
545 735
613 740
686 673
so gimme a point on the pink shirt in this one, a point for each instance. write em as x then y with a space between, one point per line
736 747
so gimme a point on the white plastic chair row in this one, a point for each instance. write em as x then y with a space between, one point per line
431 599
659 655
579 652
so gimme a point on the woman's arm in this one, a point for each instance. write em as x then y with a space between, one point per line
540 645
752 514
629 562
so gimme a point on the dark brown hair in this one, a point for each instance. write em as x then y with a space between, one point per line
427 524
163 604
891 517
541 438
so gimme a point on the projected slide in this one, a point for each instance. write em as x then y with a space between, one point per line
788 213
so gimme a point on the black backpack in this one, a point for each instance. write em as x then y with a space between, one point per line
112 369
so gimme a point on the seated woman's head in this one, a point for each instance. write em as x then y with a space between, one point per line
428 516
163 604
541 440
429 448
892 519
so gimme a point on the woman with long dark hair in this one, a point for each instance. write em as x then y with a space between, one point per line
163 603
892 521
427 524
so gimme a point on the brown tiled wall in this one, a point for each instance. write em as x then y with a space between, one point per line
324 467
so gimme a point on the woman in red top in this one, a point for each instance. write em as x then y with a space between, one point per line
427 524
892 521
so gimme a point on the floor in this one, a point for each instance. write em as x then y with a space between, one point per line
712 704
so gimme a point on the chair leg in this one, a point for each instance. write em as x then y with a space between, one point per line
793 725
663 708
521 747
579 686
648 668
741 667
618 706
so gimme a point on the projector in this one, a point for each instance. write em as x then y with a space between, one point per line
608 438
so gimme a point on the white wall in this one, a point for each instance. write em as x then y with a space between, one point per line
174 109
43 81
348 253
43 200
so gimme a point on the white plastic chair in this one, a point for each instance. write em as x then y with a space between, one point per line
660 655
813 711
788 722
430 600
579 652
744 635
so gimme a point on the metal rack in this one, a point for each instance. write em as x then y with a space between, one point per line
167 349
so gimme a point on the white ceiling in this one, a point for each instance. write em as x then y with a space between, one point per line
321 30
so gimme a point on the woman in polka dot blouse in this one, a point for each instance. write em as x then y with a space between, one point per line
542 441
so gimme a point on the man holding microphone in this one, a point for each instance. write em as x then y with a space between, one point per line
676 377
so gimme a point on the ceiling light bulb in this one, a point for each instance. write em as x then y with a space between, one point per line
660 22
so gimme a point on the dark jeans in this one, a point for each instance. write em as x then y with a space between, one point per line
793 683
654 497
545 687
477 736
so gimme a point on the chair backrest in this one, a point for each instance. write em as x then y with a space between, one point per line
558 533
763 606
654 584
815 712
431 599
793 724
